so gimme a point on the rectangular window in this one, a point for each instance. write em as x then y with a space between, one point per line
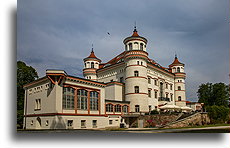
171 87
136 73
166 86
110 122
136 89
93 100
70 123
82 97
37 104
83 123
125 109
155 82
68 98
137 108
94 123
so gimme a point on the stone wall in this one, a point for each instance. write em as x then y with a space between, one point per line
157 120
196 119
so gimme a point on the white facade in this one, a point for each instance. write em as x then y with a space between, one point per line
131 83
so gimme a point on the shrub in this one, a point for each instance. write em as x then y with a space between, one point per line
154 112
218 114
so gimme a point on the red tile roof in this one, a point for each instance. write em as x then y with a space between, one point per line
176 62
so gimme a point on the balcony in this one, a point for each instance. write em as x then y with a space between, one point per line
163 99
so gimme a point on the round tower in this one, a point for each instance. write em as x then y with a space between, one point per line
91 64
136 81
179 85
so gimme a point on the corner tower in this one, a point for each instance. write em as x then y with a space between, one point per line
136 82
91 64
178 69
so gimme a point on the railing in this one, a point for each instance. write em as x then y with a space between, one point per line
163 99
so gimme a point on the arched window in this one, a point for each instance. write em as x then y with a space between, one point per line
138 63
93 100
68 98
178 69
174 69
179 98
130 46
92 64
149 93
109 108
85 65
171 97
136 89
118 108
179 88
161 89
136 73
137 108
135 45
82 99
125 109
141 46
156 94
149 80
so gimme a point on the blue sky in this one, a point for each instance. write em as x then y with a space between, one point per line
57 34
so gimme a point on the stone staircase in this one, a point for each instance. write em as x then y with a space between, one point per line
185 120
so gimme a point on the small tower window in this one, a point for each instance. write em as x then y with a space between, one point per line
135 45
138 63
174 69
136 73
92 64
136 89
141 46
130 46
179 88
179 98
178 69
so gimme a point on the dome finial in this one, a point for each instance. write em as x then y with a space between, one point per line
92 48
175 55
135 27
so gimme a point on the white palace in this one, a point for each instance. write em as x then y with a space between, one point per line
128 85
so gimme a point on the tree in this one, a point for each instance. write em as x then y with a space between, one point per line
25 74
213 94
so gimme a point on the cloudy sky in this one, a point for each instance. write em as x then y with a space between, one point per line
57 34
